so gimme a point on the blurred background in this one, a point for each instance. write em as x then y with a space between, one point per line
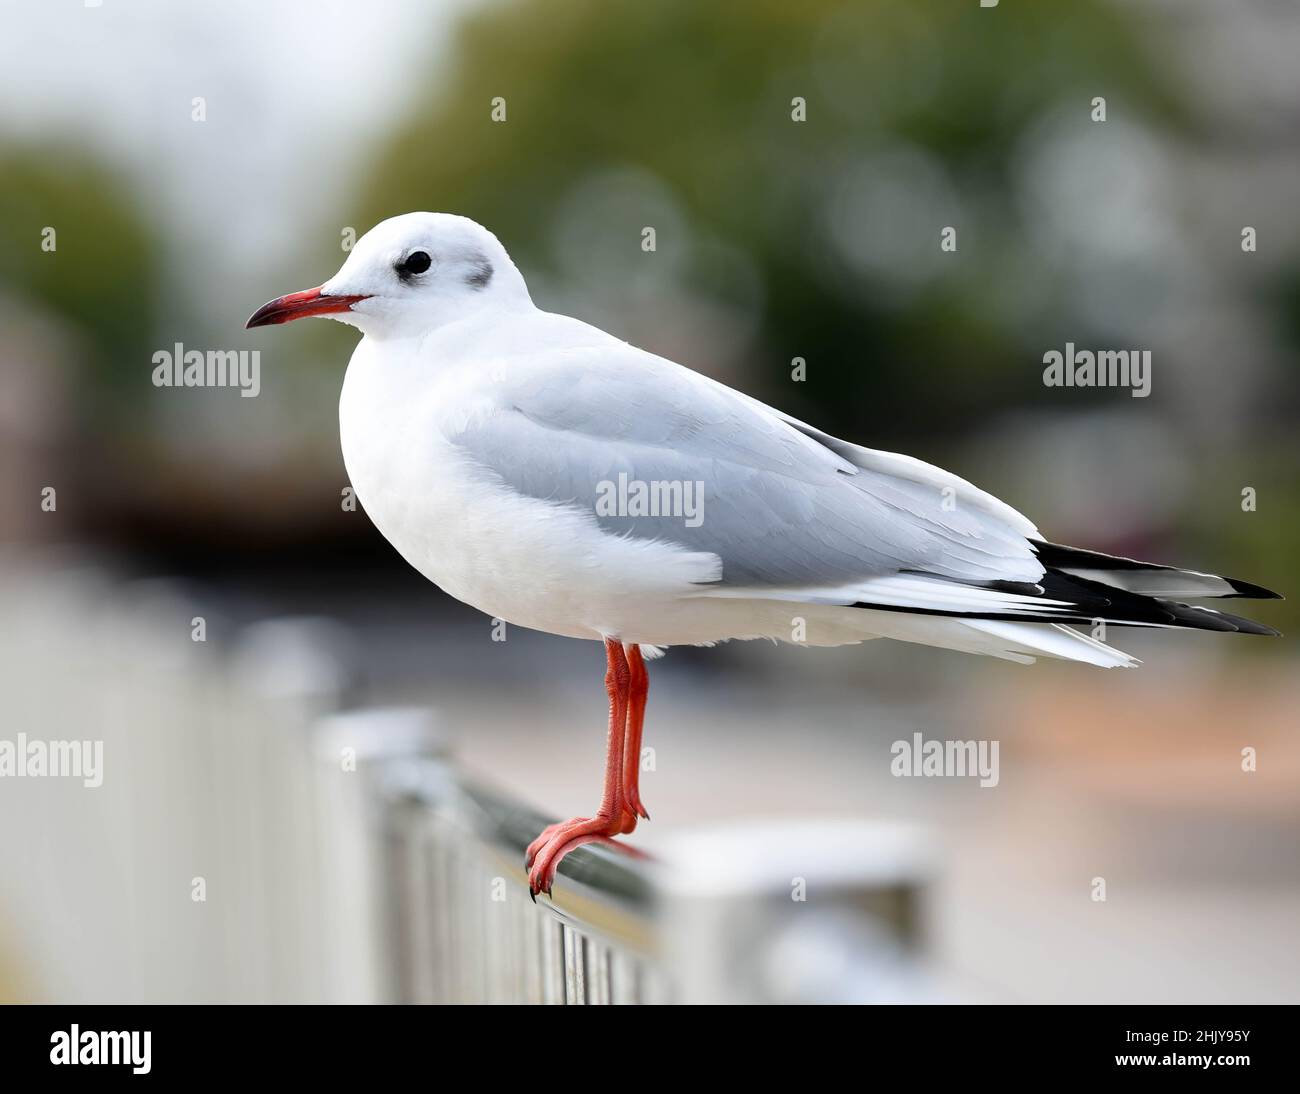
776 239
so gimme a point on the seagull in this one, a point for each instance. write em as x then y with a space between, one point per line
560 479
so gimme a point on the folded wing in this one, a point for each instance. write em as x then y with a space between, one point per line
777 505
792 513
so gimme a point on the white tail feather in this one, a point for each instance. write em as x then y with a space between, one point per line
1020 642
1054 640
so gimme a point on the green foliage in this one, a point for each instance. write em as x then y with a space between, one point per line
699 97
101 278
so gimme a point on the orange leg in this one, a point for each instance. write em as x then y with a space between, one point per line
612 816
638 690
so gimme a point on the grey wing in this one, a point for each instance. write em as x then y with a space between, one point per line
774 500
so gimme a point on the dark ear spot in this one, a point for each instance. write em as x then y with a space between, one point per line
482 273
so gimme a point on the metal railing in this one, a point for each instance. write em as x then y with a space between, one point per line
465 929
790 912
452 911
252 844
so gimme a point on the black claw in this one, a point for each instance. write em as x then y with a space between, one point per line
532 894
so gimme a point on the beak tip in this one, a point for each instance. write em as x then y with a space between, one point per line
264 316
300 304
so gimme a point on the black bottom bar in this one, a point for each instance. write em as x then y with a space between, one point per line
343 1044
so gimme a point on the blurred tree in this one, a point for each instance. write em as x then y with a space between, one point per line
827 231
99 279
913 113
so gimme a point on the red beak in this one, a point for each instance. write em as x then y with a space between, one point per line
298 305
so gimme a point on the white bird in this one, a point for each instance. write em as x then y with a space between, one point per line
558 478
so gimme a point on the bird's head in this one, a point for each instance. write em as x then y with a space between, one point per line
407 276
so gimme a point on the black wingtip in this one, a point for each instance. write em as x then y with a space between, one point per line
1212 619
1058 556
1259 628
1251 591
1218 620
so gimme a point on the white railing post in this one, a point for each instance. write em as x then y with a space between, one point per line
796 912
376 942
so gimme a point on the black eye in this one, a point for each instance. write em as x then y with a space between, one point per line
415 263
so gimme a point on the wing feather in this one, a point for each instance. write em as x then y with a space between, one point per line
780 504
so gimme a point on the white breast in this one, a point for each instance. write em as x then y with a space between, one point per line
530 562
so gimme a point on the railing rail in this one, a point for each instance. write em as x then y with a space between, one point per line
714 922
251 843
445 863
466 931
